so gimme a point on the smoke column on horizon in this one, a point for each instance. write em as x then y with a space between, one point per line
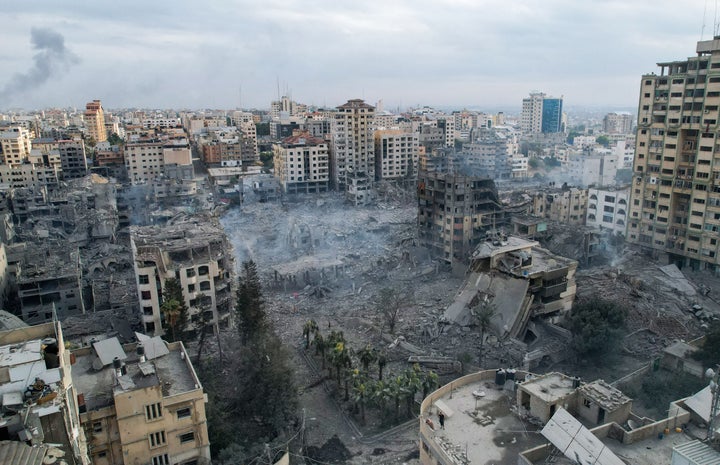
51 57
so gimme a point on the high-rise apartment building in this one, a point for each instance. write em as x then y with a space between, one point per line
302 164
541 114
617 123
675 196
396 154
353 147
16 145
72 158
95 121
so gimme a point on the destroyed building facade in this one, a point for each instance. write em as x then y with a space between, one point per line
196 252
565 205
140 403
455 212
39 398
675 208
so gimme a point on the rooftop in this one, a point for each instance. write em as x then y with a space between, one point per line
98 383
481 426
604 395
550 387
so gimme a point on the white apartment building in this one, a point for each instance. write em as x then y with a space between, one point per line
302 164
608 209
447 122
396 154
146 160
597 169
531 116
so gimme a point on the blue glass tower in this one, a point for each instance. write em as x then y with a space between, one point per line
552 115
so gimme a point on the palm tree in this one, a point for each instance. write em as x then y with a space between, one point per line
483 314
360 391
320 346
367 356
171 310
397 390
382 361
429 382
310 327
413 384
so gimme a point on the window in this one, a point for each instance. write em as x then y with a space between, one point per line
145 295
97 427
150 328
183 412
144 279
190 272
203 270
205 286
157 439
148 311
587 403
187 437
161 460
191 288
153 411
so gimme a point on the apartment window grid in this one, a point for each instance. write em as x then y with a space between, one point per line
161 459
157 439
187 437
153 411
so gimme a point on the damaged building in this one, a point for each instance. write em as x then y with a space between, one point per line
38 395
196 252
140 403
455 212
522 282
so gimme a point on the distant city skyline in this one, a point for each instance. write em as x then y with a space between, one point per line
457 53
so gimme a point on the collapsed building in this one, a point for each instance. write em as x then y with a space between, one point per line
528 287
196 252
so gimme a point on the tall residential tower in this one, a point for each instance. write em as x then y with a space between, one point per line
675 197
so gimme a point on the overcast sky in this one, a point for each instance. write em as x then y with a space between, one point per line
447 53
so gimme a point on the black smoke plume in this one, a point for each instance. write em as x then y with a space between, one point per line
51 58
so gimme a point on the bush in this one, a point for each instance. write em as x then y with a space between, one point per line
597 327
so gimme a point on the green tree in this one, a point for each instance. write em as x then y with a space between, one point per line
309 328
174 310
709 352
250 314
603 140
367 356
533 163
483 314
597 326
382 361
430 382
320 347
551 162
114 139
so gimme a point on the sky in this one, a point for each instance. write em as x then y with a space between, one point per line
237 53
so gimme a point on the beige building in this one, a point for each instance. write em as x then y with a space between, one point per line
353 147
396 154
562 205
302 164
149 159
675 207
198 254
16 145
617 123
95 121
141 404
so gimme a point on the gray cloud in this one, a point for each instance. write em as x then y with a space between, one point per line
51 57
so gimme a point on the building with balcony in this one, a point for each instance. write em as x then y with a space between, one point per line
95 121
564 205
302 164
196 252
396 154
140 403
353 149
675 196
608 209
617 123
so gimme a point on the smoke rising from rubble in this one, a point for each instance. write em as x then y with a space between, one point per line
51 58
